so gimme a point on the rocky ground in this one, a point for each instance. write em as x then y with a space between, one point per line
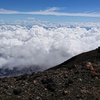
72 80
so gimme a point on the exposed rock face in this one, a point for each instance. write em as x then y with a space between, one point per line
71 80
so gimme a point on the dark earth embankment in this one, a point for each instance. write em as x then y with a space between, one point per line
71 80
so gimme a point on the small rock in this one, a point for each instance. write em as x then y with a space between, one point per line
38 98
70 81
49 84
34 81
84 91
71 67
65 92
65 76
66 85
17 91
78 96
96 78
80 79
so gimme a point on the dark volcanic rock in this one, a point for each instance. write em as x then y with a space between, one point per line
72 80
98 49
17 91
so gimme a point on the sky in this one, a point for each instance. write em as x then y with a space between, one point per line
50 10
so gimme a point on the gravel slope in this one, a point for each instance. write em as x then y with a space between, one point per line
71 80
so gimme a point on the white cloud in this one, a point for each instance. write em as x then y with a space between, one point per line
2 22
4 11
22 46
52 11
31 18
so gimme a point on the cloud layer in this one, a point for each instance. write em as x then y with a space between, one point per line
51 11
44 45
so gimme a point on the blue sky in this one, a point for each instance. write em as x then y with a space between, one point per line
51 10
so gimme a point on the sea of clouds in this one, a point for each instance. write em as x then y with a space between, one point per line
46 44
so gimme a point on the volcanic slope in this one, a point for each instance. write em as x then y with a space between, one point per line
76 79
